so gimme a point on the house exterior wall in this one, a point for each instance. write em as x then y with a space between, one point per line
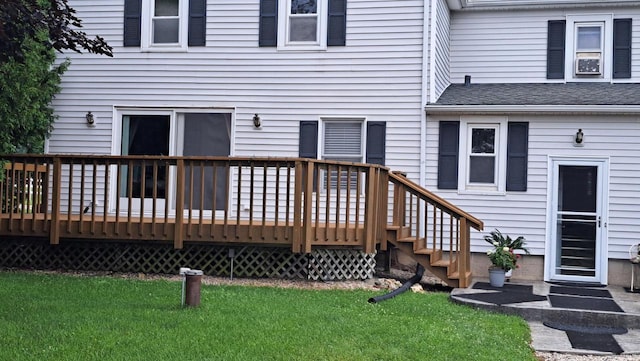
376 76
509 46
525 213
441 48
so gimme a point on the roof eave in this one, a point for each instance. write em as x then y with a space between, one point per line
532 4
432 109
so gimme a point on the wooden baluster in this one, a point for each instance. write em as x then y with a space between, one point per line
179 219
54 230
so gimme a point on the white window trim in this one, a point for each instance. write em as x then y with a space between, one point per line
283 28
573 21
147 33
466 124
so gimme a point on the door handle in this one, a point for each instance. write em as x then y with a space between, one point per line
599 221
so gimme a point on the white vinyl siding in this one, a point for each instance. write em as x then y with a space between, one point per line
441 54
376 75
525 213
511 46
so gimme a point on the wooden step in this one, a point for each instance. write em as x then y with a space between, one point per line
425 251
440 263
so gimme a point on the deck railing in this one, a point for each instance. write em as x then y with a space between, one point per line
433 226
294 202
300 202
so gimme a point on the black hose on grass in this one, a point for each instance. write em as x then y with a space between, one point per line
405 286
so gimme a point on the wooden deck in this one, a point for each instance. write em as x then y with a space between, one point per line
299 203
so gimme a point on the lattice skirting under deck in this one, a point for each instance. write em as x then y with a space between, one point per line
214 260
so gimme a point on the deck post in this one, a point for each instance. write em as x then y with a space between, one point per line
177 234
464 259
54 230
383 208
297 209
370 208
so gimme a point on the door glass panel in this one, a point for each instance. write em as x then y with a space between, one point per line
576 221
577 188
144 135
206 135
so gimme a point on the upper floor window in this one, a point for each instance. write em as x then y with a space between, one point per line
589 48
164 25
303 24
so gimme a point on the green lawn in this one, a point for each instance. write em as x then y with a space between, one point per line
55 317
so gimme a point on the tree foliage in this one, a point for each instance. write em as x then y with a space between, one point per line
31 31
21 20
28 86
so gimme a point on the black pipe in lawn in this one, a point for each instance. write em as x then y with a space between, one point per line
405 286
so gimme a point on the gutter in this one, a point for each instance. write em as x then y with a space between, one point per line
532 109
533 4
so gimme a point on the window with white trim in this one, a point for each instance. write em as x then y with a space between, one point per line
342 141
589 43
164 24
304 26
484 162
589 50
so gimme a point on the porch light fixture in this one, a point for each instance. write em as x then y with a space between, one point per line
256 121
91 120
579 137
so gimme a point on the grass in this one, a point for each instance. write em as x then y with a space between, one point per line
57 317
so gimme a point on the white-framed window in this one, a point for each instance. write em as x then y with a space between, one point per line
303 25
164 25
589 41
589 47
342 140
483 148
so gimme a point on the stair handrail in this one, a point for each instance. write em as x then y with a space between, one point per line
399 178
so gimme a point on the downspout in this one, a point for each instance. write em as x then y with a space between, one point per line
405 286
428 91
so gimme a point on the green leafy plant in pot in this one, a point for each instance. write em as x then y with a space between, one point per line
503 256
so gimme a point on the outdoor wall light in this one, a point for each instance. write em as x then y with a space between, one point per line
256 121
91 120
579 137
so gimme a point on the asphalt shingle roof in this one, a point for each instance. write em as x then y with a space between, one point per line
541 94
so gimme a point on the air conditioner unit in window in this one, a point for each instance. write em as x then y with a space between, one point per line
588 64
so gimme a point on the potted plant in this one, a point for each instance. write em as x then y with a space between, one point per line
503 257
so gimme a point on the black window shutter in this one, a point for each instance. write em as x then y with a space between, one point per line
197 22
448 154
517 154
622 48
268 23
376 139
337 23
555 49
132 24
308 139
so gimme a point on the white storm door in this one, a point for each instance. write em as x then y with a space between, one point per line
577 221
